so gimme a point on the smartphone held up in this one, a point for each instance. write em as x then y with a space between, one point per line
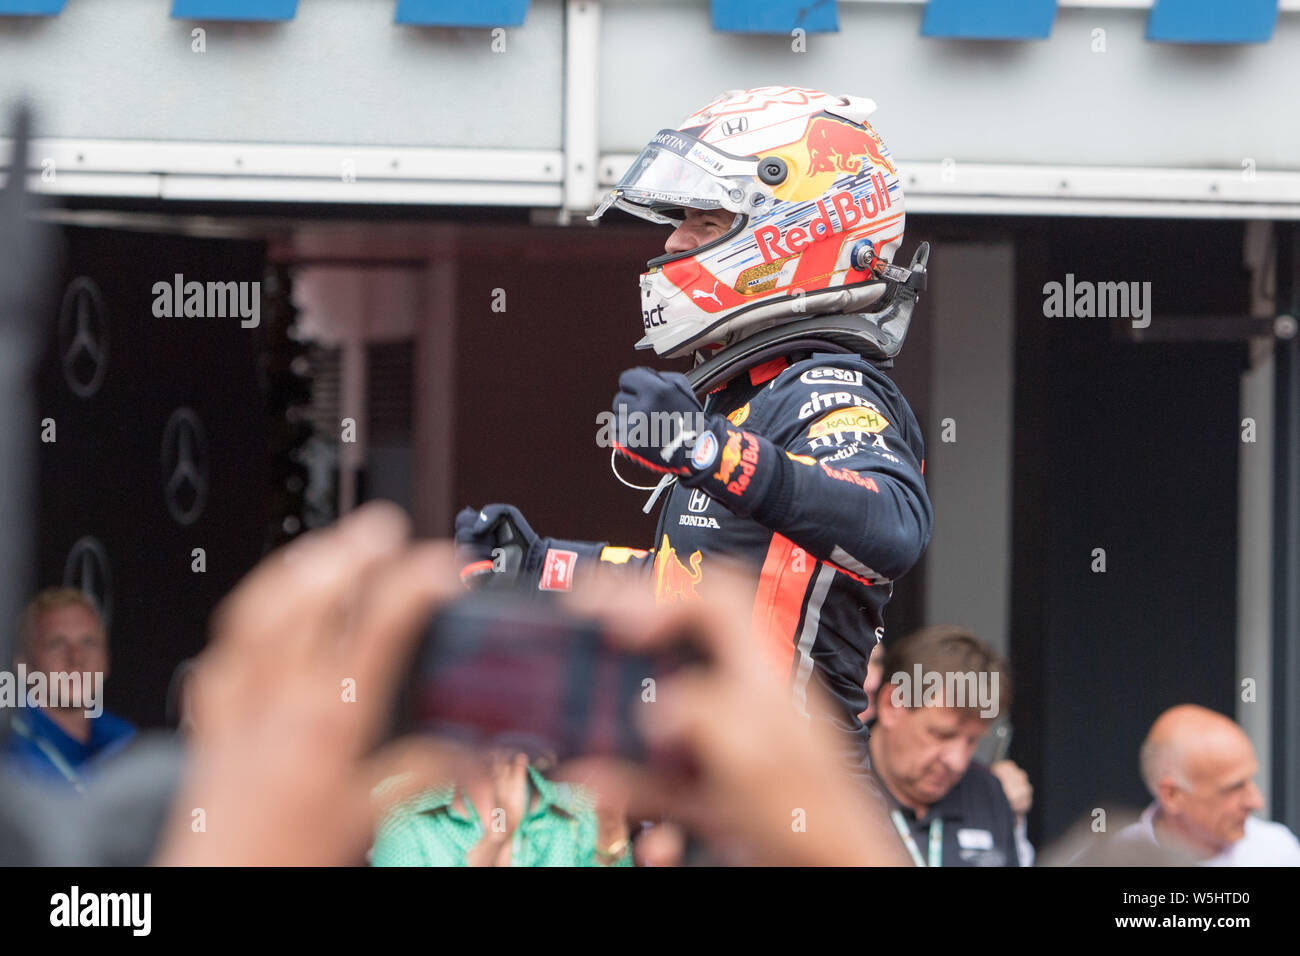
505 668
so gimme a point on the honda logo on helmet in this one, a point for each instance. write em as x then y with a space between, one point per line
733 126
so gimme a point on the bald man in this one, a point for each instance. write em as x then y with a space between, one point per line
1200 768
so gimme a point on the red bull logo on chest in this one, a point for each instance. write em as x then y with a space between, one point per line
675 581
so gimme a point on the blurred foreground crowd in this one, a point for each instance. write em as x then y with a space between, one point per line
281 768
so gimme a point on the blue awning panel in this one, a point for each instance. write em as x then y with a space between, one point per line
31 8
776 16
458 13
234 9
1212 21
989 19
1171 21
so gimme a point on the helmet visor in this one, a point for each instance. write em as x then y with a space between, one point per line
677 170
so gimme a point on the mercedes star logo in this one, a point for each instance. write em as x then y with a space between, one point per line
87 570
185 466
83 337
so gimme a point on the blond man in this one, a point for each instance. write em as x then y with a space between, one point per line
60 731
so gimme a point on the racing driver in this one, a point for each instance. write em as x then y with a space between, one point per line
791 450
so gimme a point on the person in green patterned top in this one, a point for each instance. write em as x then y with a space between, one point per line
509 816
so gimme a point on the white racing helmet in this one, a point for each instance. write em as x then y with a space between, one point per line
818 209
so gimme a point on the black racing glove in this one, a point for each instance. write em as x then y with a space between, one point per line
493 540
659 419
667 430
497 548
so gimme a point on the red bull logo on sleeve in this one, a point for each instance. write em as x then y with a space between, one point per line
748 465
850 211
730 457
837 146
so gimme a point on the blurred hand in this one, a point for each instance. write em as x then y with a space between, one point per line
765 778
1015 783
293 691
502 790
664 844
509 788
611 823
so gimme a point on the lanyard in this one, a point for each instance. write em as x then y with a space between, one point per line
21 727
936 839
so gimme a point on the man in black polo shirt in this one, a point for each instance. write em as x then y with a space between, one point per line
942 690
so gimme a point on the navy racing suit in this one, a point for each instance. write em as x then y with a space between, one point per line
842 512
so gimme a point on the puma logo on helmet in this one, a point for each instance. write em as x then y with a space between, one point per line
701 294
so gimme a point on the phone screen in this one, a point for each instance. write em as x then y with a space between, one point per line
500 667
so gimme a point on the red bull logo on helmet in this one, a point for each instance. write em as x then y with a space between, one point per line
850 211
837 146
876 150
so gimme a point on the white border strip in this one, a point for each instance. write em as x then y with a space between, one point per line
987 188
535 178
291 189
266 173
1243 185
327 162
1114 208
